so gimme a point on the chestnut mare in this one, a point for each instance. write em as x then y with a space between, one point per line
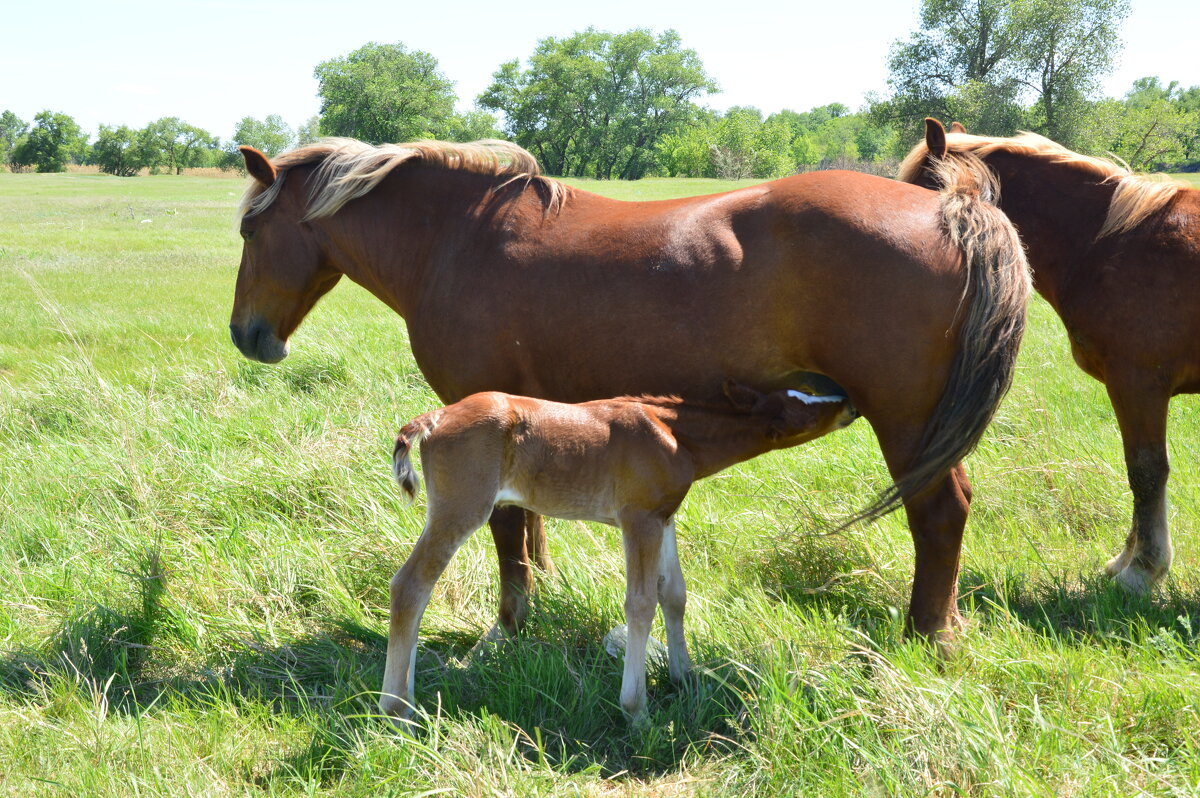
628 462
912 301
1117 256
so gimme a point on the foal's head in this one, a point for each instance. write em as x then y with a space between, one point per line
794 417
283 272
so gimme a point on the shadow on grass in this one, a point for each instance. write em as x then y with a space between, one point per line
554 689
1088 610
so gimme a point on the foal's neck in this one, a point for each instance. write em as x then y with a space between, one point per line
715 437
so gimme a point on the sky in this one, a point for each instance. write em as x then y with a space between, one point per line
212 62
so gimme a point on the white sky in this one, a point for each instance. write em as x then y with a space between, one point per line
211 62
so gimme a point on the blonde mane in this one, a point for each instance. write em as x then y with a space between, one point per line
347 169
1137 197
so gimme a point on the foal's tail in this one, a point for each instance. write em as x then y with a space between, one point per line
410 435
992 309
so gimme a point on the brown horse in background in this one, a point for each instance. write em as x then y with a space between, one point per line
1117 256
912 301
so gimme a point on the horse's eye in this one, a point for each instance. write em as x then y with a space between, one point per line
247 235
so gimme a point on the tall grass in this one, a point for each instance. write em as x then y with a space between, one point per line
198 550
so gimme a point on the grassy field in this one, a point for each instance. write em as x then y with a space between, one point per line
198 550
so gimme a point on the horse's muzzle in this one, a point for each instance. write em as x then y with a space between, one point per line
258 342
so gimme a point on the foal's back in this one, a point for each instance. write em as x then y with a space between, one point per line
581 462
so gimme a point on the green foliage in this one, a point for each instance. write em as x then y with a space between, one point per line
12 131
309 132
597 103
118 151
740 144
384 93
1153 125
981 61
54 140
471 126
270 136
175 145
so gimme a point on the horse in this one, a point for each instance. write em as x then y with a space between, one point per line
910 301
1117 255
628 462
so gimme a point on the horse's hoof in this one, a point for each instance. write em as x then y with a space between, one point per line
1135 580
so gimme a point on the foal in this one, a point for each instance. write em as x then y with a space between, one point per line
627 462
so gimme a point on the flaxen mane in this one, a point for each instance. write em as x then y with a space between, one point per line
1137 196
348 169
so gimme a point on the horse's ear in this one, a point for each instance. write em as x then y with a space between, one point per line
258 165
957 127
741 396
935 137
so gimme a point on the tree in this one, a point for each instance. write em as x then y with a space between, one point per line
54 139
1154 124
117 151
598 103
983 61
384 93
12 129
173 143
472 126
309 132
1069 44
270 136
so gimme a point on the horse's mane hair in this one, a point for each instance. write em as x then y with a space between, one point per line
348 169
1137 197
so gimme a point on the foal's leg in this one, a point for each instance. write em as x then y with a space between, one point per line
672 597
410 590
643 536
1141 409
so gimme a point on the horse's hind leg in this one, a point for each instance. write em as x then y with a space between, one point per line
535 542
410 590
672 597
643 536
1141 408
516 576
936 517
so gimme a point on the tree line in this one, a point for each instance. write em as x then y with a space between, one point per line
627 105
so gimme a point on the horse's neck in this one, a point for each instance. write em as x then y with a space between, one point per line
391 240
1058 213
717 439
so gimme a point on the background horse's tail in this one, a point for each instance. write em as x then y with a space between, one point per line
410 435
994 299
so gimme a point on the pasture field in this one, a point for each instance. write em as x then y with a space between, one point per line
197 551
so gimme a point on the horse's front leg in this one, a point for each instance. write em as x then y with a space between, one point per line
672 597
535 542
1141 408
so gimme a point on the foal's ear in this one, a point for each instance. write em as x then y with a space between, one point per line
741 396
957 127
258 165
935 138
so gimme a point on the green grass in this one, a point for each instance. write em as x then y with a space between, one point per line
197 553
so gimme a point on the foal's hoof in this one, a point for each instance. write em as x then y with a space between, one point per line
399 713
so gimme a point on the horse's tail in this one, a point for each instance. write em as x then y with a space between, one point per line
992 308
410 435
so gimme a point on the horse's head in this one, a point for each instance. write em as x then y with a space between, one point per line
918 166
794 416
283 271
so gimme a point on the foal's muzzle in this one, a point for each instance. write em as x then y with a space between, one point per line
258 342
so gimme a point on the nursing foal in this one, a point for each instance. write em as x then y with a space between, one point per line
627 462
